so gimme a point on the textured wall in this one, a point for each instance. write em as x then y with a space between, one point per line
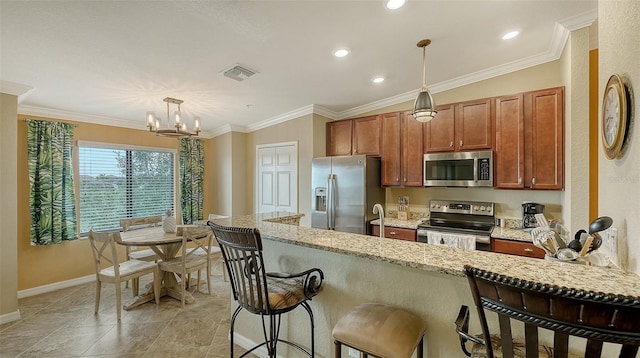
619 180
9 199
576 77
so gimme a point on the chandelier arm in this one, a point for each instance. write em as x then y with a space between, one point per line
168 122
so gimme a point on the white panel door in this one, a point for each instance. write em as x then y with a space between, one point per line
277 172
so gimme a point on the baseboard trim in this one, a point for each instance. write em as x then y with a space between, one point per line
247 344
10 317
56 286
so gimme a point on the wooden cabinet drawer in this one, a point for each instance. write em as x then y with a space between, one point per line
395 233
519 248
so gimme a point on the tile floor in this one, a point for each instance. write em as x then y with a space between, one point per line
63 324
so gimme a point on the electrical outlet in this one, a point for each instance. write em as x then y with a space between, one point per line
354 353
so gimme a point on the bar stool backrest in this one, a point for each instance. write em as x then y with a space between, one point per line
596 316
242 252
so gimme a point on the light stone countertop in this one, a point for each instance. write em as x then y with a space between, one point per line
511 234
445 260
393 222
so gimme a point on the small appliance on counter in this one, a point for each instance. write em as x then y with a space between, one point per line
529 211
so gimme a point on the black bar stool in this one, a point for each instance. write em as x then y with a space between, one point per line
380 330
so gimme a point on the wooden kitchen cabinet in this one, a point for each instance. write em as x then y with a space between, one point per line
339 135
530 140
401 150
460 127
354 136
544 139
474 125
509 155
366 135
395 233
519 248
439 135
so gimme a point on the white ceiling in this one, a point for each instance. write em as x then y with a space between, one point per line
111 61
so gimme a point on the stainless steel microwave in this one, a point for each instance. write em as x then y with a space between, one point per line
461 169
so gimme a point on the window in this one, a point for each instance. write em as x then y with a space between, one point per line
118 182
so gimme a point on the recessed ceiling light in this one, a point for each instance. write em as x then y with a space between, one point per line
378 79
341 52
393 4
511 34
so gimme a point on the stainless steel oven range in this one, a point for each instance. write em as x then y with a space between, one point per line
462 224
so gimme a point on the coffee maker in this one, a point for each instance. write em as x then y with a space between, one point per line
529 211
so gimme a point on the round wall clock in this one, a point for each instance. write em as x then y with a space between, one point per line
615 116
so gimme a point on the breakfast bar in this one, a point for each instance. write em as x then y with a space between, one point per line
426 280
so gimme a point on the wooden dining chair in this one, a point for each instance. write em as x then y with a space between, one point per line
103 246
595 316
192 259
266 294
144 254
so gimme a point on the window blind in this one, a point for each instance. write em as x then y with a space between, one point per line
120 183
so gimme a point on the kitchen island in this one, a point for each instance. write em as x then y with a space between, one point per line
427 280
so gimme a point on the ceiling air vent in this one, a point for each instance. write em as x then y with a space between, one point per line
239 72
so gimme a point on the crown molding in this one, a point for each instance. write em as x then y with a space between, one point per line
579 21
16 89
80 117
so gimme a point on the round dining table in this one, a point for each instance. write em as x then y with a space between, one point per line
166 245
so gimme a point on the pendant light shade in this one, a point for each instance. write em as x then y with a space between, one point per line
424 107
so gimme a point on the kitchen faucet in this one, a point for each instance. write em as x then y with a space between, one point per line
377 209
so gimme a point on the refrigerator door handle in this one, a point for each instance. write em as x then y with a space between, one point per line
331 205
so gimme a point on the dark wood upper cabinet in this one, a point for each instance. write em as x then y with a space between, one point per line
402 150
391 149
509 154
460 127
339 135
366 135
354 136
474 125
530 140
544 138
439 135
412 150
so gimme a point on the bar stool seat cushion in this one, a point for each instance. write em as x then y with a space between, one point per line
381 330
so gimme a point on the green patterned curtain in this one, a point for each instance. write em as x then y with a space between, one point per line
191 176
51 195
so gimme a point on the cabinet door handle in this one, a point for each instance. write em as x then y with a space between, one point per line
520 180
528 250
533 181
461 142
451 144
392 232
405 180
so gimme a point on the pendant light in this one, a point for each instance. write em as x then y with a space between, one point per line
176 126
424 108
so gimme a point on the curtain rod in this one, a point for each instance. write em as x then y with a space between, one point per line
44 120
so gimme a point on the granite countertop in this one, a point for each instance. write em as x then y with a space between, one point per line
511 234
405 224
445 260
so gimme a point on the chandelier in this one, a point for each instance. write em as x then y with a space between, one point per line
424 108
176 127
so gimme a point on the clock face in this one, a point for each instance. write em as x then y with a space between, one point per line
615 117
611 114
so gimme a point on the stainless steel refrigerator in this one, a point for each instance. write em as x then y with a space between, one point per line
344 190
